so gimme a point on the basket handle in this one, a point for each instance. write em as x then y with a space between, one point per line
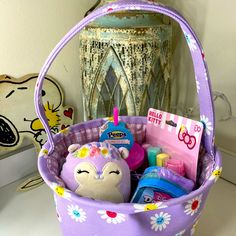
200 66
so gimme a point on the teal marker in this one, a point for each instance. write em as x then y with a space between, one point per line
152 155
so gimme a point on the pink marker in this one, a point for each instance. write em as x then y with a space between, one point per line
115 115
175 165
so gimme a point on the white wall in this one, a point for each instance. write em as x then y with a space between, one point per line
214 23
30 29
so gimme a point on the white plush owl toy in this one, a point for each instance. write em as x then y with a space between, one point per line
97 170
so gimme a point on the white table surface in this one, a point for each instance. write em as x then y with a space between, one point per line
33 213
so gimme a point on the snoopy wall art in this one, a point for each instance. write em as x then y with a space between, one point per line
18 119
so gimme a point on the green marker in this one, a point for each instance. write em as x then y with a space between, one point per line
152 154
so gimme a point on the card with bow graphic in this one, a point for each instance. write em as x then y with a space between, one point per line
178 136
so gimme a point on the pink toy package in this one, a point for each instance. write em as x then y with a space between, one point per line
178 136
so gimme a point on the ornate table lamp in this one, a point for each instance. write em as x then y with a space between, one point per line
125 62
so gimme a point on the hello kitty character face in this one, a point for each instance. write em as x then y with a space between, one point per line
99 172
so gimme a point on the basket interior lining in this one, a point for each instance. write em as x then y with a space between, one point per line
85 135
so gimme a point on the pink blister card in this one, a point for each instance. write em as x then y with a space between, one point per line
178 136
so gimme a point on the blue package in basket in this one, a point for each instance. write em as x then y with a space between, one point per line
161 184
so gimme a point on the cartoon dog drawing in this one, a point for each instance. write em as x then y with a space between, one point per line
17 113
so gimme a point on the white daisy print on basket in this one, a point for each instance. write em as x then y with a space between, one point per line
61 191
198 85
154 2
181 233
77 214
43 153
191 42
58 214
206 75
65 131
207 124
149 207
160 221
59 217
133 7
55 199
193 205
111 217
216 173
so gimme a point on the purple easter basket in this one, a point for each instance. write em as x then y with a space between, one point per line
83 216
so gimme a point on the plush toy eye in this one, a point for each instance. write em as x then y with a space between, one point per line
115 172
82 171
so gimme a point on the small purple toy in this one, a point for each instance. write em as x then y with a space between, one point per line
97 170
